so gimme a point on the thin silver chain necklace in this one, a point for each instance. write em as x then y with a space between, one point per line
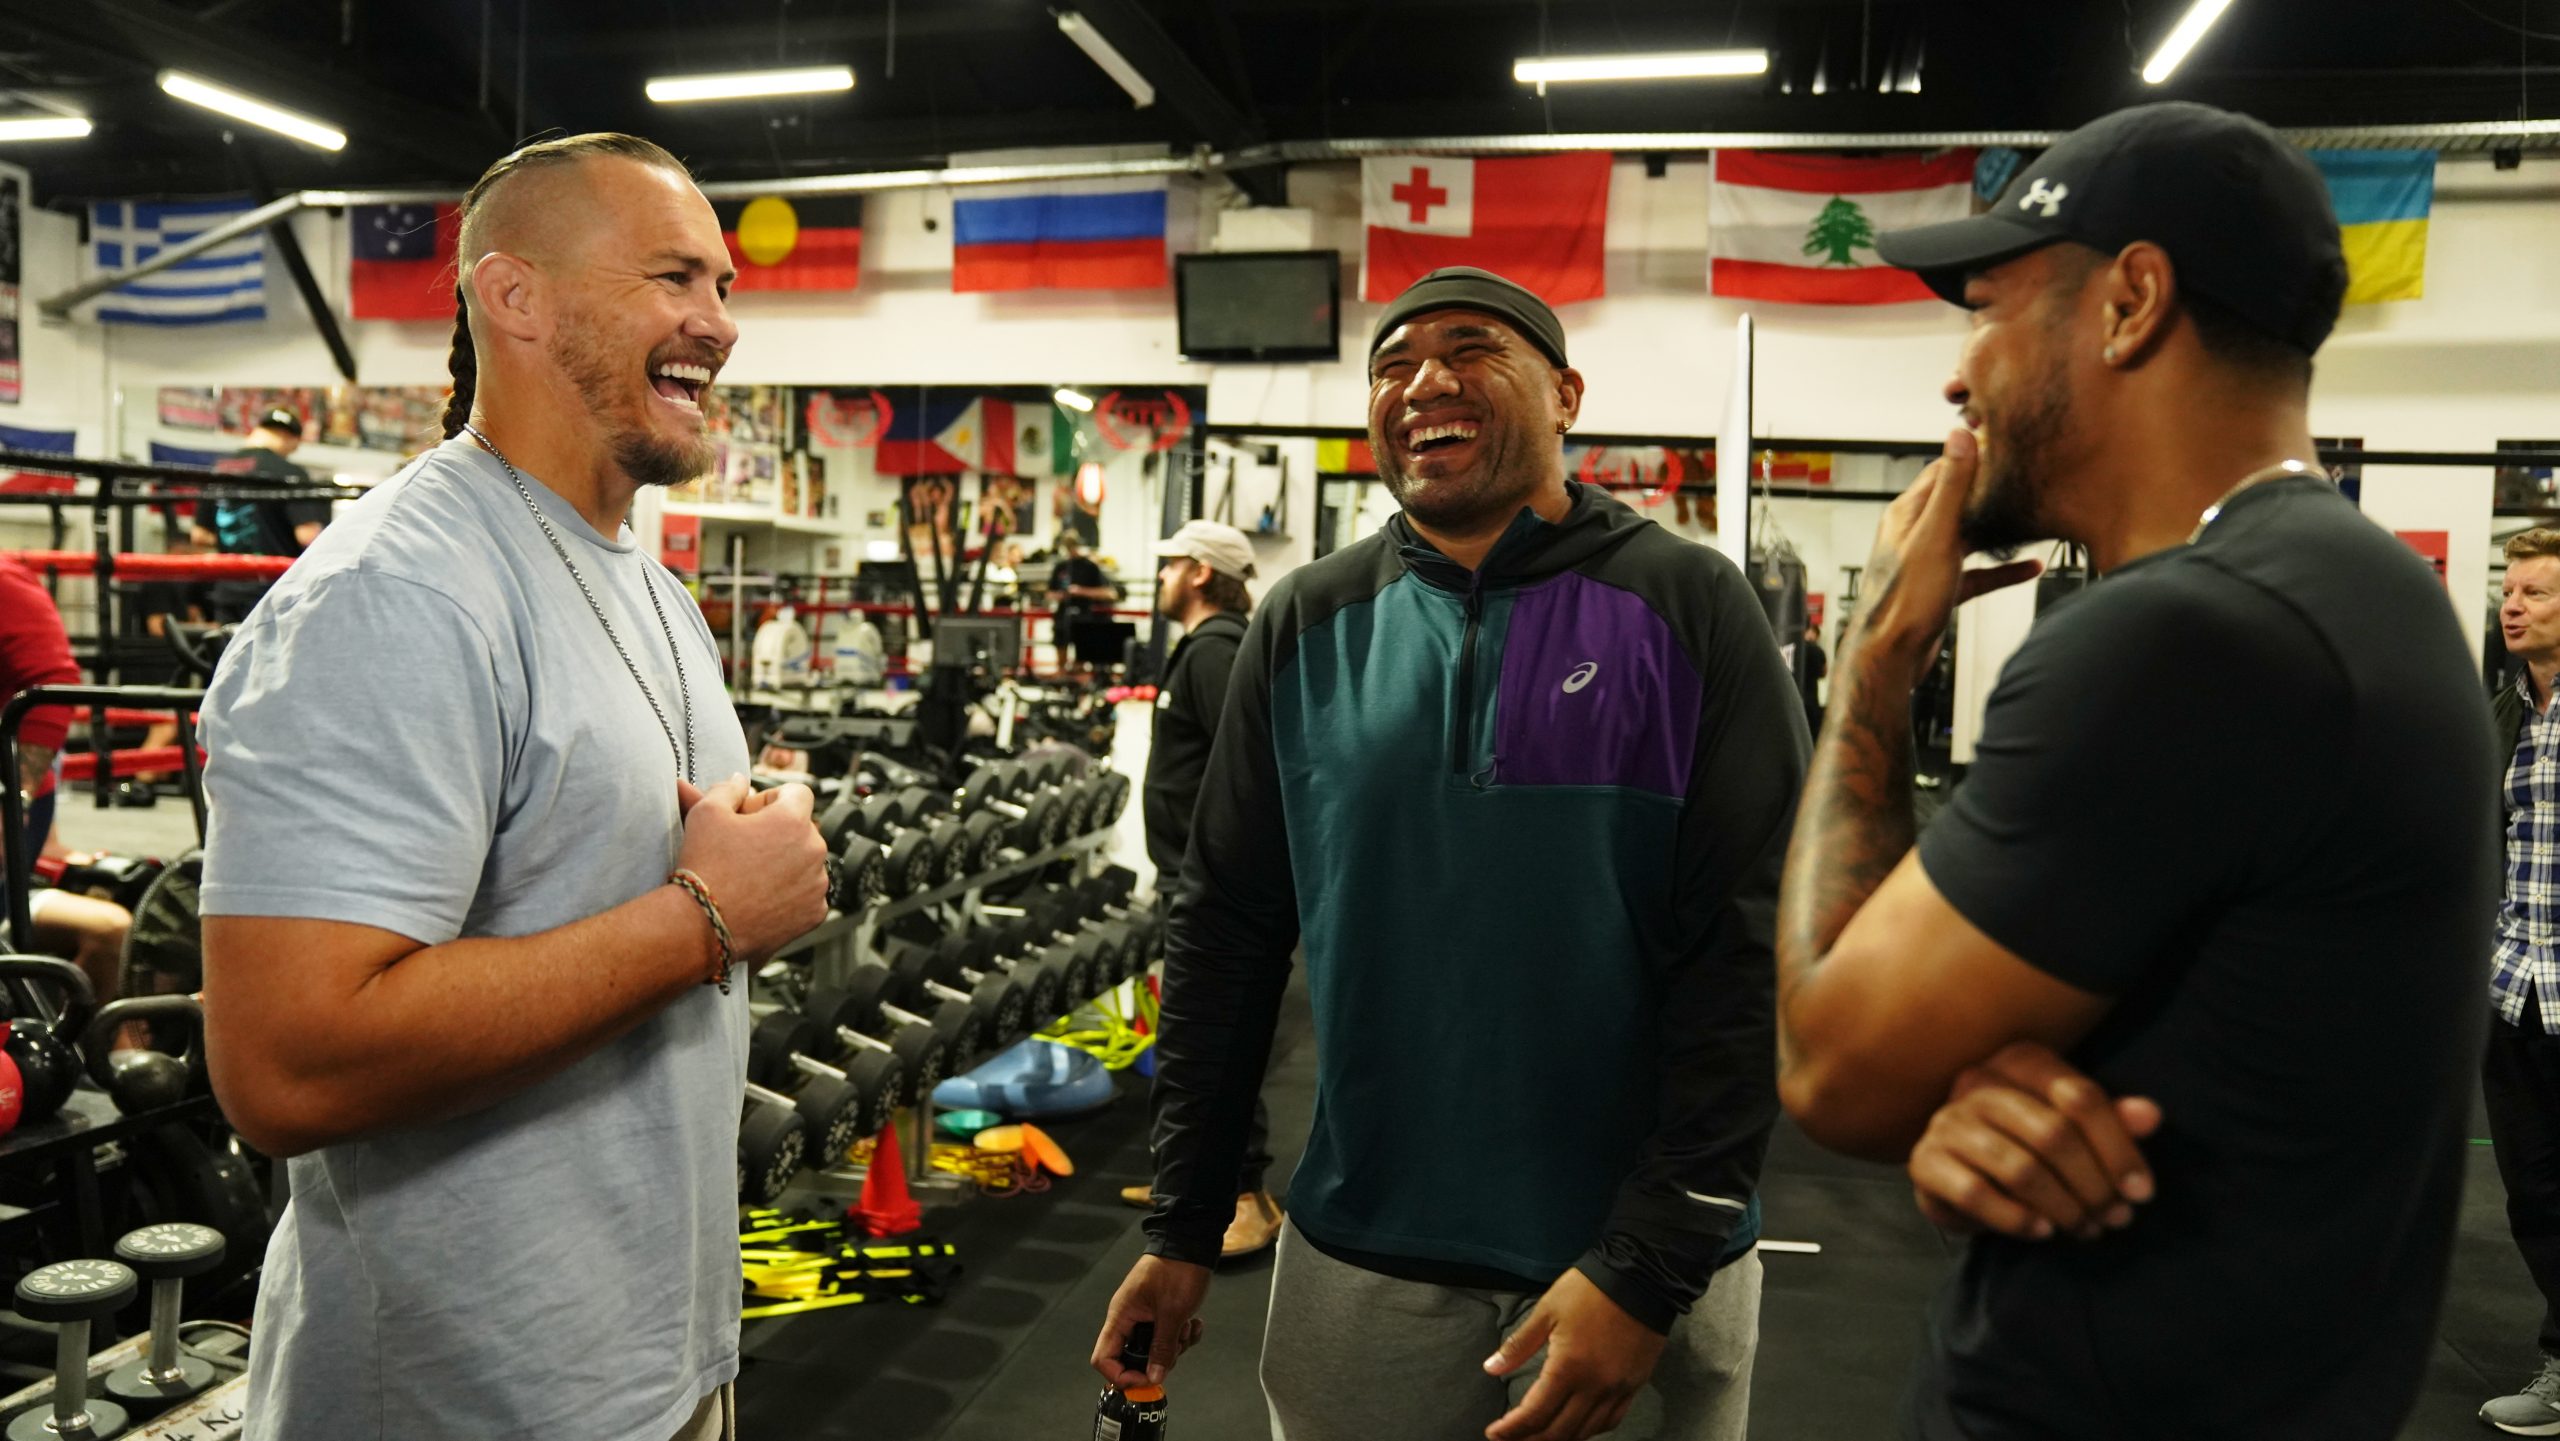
684 689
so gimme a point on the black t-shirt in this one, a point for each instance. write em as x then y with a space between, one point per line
2245 789
1188 705
266 527
1075 570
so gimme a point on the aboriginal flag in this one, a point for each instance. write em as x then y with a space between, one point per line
811 242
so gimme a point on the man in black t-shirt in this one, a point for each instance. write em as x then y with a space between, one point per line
1078 591
265 527
2226 852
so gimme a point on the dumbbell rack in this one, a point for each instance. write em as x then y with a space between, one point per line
222 1411
836 945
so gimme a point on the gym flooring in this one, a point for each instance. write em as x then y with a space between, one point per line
1004 1357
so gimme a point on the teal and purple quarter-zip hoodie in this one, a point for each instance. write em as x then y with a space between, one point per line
1528 821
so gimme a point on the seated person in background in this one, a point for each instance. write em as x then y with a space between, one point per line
2227 844
34 651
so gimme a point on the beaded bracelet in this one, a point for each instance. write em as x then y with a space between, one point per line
701 894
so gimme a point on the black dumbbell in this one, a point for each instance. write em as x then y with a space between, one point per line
166 1255
69 1295
837 1105
997 1012
983 831
772 1142
1029 807
915 859
869 1015
861 873
1048 985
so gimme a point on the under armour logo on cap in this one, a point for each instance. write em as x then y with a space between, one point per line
2046 194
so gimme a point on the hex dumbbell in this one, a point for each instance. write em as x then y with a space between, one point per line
869 1016
166 1255
913 858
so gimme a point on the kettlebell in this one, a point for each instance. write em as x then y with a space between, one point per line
144 1080
12 1094
48 1062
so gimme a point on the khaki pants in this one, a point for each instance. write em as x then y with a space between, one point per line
716 1419
1350 1355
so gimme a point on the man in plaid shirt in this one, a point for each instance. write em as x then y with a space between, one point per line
2520 1073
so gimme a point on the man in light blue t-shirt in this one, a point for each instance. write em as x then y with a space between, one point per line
477 816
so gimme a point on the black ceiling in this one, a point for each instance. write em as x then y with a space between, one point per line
431 90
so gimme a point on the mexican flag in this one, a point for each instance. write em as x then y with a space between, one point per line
1802 228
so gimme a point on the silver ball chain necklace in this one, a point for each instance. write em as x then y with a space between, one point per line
684 689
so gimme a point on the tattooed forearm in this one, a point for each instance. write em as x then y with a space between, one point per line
1854 825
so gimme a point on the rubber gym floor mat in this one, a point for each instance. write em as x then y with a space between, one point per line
1006 1357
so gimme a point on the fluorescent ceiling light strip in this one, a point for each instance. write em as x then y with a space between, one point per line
2199 18
1074 399
1104 54
248 108
1687 65
750 84
44 127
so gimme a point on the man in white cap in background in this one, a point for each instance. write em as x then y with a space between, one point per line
1200 587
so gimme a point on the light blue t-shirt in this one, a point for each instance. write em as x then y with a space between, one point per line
423 728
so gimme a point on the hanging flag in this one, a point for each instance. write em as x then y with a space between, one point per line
37 442
1802 228
400 261
1537 220
943 435
810 242
1092 235
227 282
2383 198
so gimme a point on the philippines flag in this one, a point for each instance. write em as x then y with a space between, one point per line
1538 220
1095 235
1802 228
227 282
950 435
400 262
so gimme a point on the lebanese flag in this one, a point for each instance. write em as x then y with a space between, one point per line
1802 228
401 261
813 242
1537 220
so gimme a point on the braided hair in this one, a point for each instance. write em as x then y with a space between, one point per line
463 363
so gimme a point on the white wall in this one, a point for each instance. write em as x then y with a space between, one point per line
2476 361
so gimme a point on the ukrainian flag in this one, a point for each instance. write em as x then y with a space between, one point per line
2382 198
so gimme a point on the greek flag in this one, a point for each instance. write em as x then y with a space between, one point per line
227 282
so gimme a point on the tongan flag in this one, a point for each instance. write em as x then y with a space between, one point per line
227 282
1802 228
813 242
401 261
1537 220
1093 235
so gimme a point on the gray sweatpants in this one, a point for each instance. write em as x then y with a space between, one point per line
1350 1355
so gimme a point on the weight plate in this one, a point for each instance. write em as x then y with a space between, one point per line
164 949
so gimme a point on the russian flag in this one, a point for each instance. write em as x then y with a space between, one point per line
1107 237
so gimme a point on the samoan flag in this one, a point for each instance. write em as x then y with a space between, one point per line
1089 235
225 283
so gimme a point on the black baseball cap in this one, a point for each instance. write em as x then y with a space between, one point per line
283 420
1463 287
2244 216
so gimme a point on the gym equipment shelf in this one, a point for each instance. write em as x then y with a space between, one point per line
218 1412
72 1136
